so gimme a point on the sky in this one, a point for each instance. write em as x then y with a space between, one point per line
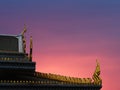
69 35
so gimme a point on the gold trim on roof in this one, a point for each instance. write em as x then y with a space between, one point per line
64 78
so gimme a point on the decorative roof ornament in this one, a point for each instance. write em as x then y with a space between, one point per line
96 75
23 38
24 30
31 46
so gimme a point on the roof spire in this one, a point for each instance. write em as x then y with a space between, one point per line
96 75
31 46
23 38
24 30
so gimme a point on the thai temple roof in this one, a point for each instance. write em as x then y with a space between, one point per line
17 67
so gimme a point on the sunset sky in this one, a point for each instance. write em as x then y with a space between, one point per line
69 35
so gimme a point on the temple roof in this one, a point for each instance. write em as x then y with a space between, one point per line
17 67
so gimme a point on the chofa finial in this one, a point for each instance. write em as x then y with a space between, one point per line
23 38
31 46
24 30
96 75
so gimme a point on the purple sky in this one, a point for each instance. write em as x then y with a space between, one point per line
69 35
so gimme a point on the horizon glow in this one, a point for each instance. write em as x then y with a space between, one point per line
69 35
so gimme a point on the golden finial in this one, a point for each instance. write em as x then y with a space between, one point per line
96 75
31 46
24 30
23 38
98 66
